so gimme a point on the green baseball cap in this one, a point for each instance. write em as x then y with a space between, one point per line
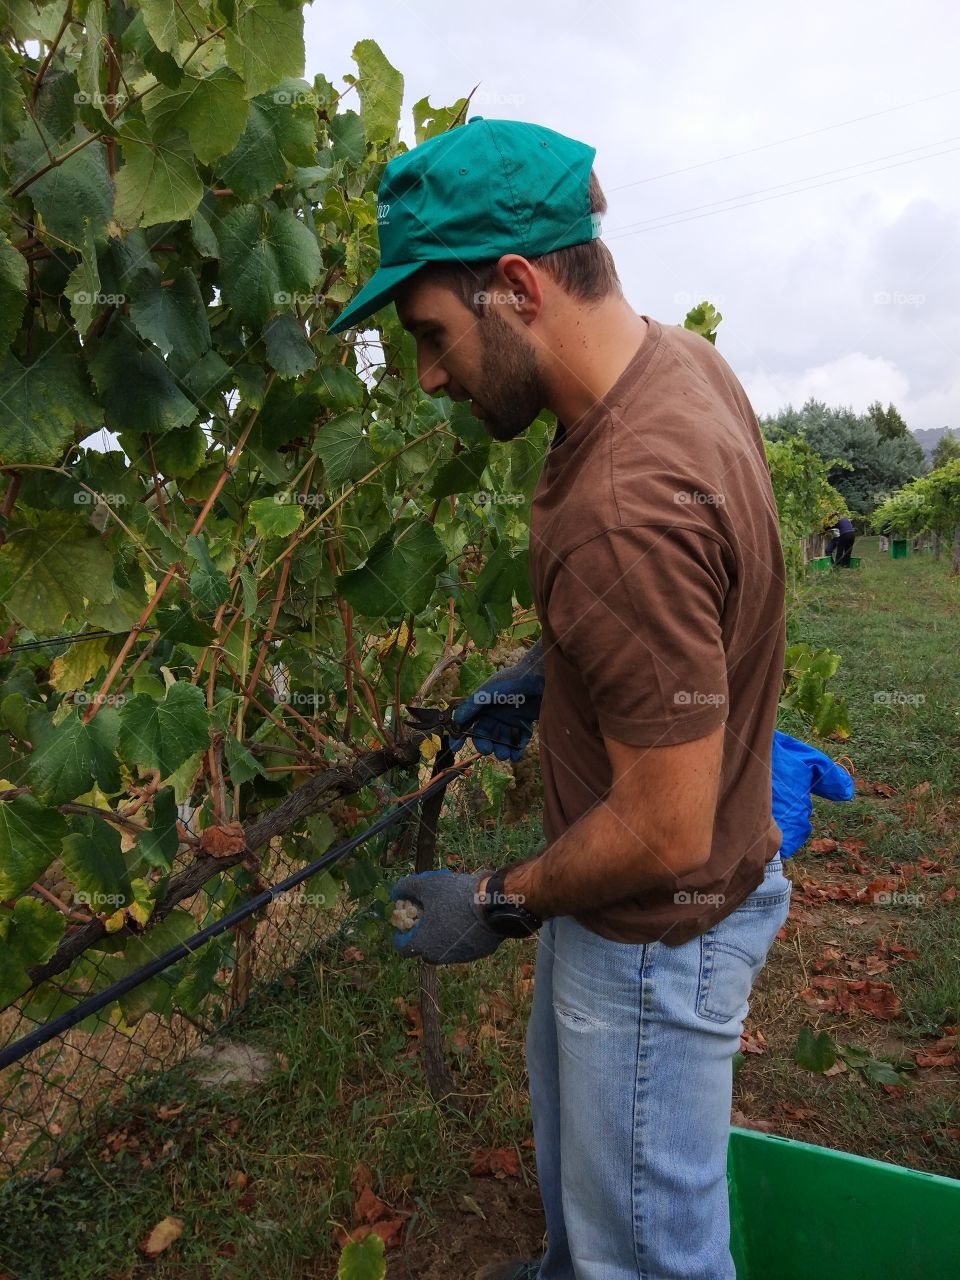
476 192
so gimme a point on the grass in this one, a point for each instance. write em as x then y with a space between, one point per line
894 623
262 1176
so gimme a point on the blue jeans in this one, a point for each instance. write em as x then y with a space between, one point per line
629 1051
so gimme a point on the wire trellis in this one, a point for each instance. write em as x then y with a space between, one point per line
57 1062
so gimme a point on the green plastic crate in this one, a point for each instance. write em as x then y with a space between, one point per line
854 562
799 1212
899 548
821 562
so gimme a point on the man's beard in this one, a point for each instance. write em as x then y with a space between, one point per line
514 390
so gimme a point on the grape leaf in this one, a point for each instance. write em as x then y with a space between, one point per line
211 109
274 518
460 473
242 764
338 388
381 92
815 1052
288 350
30 838
136 387
158 846
265 256
281 132
55 570
29 935
13 289
94 862
172 316
363 1259
399 574
70 757
42 406
265 43
77 190
345 449
162 735
158 180
172 23
156 993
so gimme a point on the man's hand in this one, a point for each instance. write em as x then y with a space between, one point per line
500 715
451 928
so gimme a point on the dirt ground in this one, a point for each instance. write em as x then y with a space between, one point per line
504 1220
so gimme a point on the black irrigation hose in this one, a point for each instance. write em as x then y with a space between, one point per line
12 1053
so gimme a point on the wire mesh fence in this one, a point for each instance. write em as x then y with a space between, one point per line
78 1040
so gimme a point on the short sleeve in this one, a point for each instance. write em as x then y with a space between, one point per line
638 611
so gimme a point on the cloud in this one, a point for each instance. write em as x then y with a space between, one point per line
854 380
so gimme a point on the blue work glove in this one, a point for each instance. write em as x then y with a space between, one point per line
798 770
500 715
451 928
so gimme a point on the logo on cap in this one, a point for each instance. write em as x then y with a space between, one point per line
383 214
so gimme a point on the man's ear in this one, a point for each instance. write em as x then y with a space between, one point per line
519 284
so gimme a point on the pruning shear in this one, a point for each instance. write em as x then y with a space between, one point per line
440 720
433 720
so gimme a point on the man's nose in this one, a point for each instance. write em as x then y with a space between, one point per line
431 374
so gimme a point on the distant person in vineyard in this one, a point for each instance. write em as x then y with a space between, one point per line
658 579
885 535
843 544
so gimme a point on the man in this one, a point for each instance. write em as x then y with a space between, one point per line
843 540
659 583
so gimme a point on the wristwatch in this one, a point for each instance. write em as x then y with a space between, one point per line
503 914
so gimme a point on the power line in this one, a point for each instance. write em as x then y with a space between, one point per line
671 219
779 142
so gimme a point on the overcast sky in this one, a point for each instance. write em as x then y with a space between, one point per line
834 257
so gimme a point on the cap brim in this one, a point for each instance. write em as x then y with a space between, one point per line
380 289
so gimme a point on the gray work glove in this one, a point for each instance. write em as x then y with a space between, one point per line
500 715
451 928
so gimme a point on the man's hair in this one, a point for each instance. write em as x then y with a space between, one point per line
586 271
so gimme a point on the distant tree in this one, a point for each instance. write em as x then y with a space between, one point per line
928 505
888 421
948 448
879 464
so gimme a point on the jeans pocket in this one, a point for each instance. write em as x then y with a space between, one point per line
732 953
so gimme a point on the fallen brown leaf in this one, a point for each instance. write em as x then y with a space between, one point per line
745 1122
823 845
855 847
753 1042
796 1114
369 1207
878 885
941 1054
500 1162
162 1237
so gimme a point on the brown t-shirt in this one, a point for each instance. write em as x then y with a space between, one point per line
658 578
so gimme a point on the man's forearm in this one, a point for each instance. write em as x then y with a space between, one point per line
603 858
